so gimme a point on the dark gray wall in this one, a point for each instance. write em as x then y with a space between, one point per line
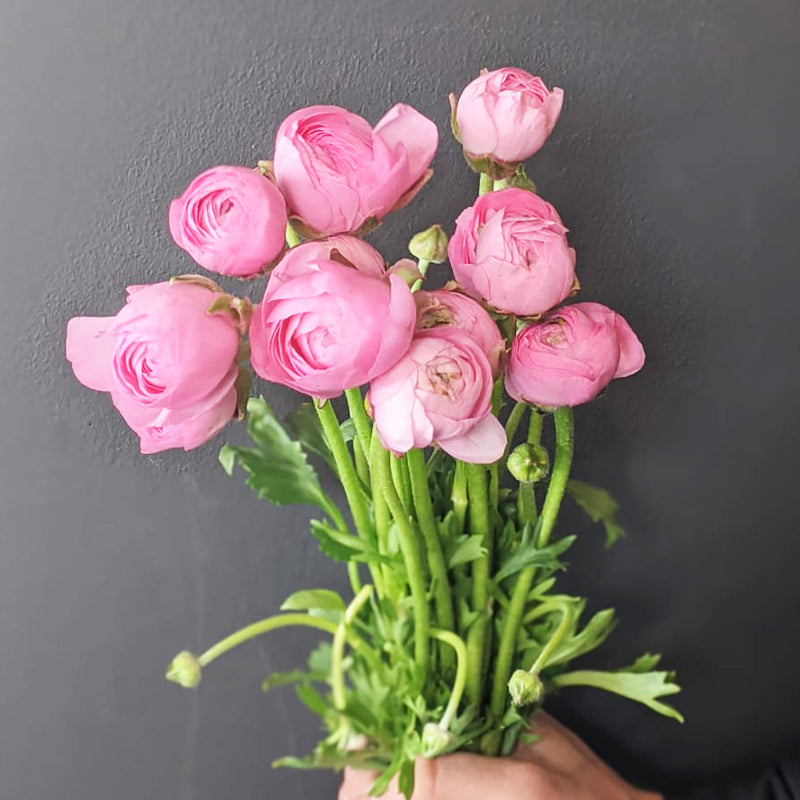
675 164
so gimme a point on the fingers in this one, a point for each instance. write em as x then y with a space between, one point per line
356 784
558 748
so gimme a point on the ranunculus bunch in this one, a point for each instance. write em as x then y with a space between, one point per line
455 632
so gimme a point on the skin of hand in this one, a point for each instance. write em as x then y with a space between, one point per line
558 767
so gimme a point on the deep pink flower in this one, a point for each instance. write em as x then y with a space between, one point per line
230 220
330 327
507 114
571 356
439 393
169 366
337 172
510 249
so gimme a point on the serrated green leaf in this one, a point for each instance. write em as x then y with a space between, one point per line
348 428
467 548
593 634
405 779
599 505
644 687
528 555
227 458
292 762
312 600
332 548
278 679
277 466
305 426
644 663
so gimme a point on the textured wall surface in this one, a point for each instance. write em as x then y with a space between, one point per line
675 164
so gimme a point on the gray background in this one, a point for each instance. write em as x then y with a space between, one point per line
675 165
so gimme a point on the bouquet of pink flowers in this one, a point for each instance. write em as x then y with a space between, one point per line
456 630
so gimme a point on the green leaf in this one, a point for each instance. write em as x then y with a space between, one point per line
312 600
319 660
312 699
328 544
277 466
593 634
644 663
227 458
467 548
292 762
348 428
644 687
599 505
528 555
405 780
305 426
277 679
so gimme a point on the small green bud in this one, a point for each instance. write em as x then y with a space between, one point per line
185 670
435 740
430 245
525 688
529 463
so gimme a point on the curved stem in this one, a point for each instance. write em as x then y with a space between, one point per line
552 503
513 421
422 266
402 482
485 184
433 545
479 526
457 643
383 518
555 640
271 624
337 647
408 546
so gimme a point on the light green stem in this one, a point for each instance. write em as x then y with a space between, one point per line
362 466
479 526
498 185
337 647
271 624
402 482
355 402
408 546
383 518
292 239
457 643
436 562
552 503
485 184
422 266
526 496
566 611
458 495
513 421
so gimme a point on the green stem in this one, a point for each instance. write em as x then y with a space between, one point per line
422 266
460 682
526 496
458 494
271 624
383 518
402 481
513 421
355 402
498 185
554 641
485 184
362 465
344 466
292 239
436 562
552 503
337 647
408 546
479 526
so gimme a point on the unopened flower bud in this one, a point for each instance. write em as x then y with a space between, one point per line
430 245
185 670
435 740
525 688
529 463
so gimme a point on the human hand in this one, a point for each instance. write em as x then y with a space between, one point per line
559 767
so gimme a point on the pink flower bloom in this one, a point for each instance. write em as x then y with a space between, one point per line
336 172
507 114
439 393
302 259
169 365
330 327
230 220
571 356
444 307
510 249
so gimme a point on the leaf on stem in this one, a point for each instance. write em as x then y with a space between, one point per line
318 602
599 505
305 426
529 555
466 549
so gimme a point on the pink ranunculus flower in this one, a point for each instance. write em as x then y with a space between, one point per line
169 365
439 393
444 307
337 172
507 115
231 220
570 357
300 260
330 327
510 249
